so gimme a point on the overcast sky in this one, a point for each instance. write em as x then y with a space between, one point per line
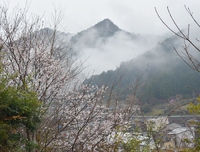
137 16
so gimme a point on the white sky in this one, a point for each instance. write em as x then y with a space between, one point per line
137 16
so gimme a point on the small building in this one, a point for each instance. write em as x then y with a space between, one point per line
156 124
163 133
182 137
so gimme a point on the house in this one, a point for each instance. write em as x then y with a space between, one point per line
171 126
182 137
163 133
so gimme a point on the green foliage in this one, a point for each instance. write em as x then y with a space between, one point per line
14 102
132 145
18 115
195 109
31 145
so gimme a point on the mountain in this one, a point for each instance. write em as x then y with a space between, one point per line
104 30
62 43
104 45
59 35
159 71
99 33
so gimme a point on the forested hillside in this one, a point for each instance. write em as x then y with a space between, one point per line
161 72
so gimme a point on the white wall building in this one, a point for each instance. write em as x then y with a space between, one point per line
156 124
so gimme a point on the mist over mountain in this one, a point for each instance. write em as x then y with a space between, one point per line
89 37
159 71
104 46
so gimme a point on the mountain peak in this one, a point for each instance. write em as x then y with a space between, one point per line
106 23
106 27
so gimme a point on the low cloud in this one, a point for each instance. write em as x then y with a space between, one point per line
108 53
